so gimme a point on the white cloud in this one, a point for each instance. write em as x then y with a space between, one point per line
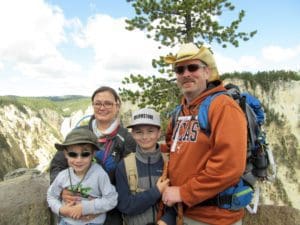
31 32
39 46
50 67
30 29
118 52
244 63
117 49
272 58
279 54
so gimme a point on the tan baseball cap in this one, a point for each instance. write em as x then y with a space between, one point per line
145 116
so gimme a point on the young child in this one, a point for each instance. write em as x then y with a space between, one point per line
85 179
139 206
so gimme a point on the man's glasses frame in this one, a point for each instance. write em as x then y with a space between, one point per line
190 67
72 154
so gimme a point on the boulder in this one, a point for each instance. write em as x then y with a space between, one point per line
23 199
275 215
21 171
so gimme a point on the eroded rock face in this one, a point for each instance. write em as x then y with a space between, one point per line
23 199
27 138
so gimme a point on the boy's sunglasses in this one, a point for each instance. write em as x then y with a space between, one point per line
190 68
82 154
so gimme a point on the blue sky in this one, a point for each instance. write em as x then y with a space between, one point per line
59 47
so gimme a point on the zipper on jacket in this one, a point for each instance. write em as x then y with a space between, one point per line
150 184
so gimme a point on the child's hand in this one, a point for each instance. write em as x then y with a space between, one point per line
76 211
72 211
69 197
66 210
160 222
161 185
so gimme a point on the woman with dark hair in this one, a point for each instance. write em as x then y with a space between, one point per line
114 141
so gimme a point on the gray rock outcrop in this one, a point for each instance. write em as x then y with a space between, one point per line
23 201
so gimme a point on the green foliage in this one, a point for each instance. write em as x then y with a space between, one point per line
286 152
3 142
79 189
264 79
62 105
70 105
157 93
281 192
172 22
273 117
12 100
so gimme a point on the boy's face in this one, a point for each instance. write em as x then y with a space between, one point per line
79 157
146 136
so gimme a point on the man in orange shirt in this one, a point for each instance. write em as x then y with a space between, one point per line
202 165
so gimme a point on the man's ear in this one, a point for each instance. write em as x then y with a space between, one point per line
206 73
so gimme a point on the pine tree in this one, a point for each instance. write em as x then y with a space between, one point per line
171 22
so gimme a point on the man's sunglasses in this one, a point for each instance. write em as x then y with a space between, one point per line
190 68
82 154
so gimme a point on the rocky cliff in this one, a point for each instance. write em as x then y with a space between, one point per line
29 127
27 137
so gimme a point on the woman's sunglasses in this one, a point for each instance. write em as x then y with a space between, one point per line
190 68
82 154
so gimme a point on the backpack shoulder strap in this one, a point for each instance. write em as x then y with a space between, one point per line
131 172
175 114
203 111
84 121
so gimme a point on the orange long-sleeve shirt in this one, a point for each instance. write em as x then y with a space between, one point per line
203 166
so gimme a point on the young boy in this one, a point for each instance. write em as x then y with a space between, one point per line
139 206
85 179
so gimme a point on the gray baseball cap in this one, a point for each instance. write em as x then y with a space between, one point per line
78 136
145 116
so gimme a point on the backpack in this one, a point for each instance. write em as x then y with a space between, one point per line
259 156
132 173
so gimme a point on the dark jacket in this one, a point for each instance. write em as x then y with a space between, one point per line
140 208
122 144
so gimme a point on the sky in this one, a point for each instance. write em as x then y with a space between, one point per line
66 47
